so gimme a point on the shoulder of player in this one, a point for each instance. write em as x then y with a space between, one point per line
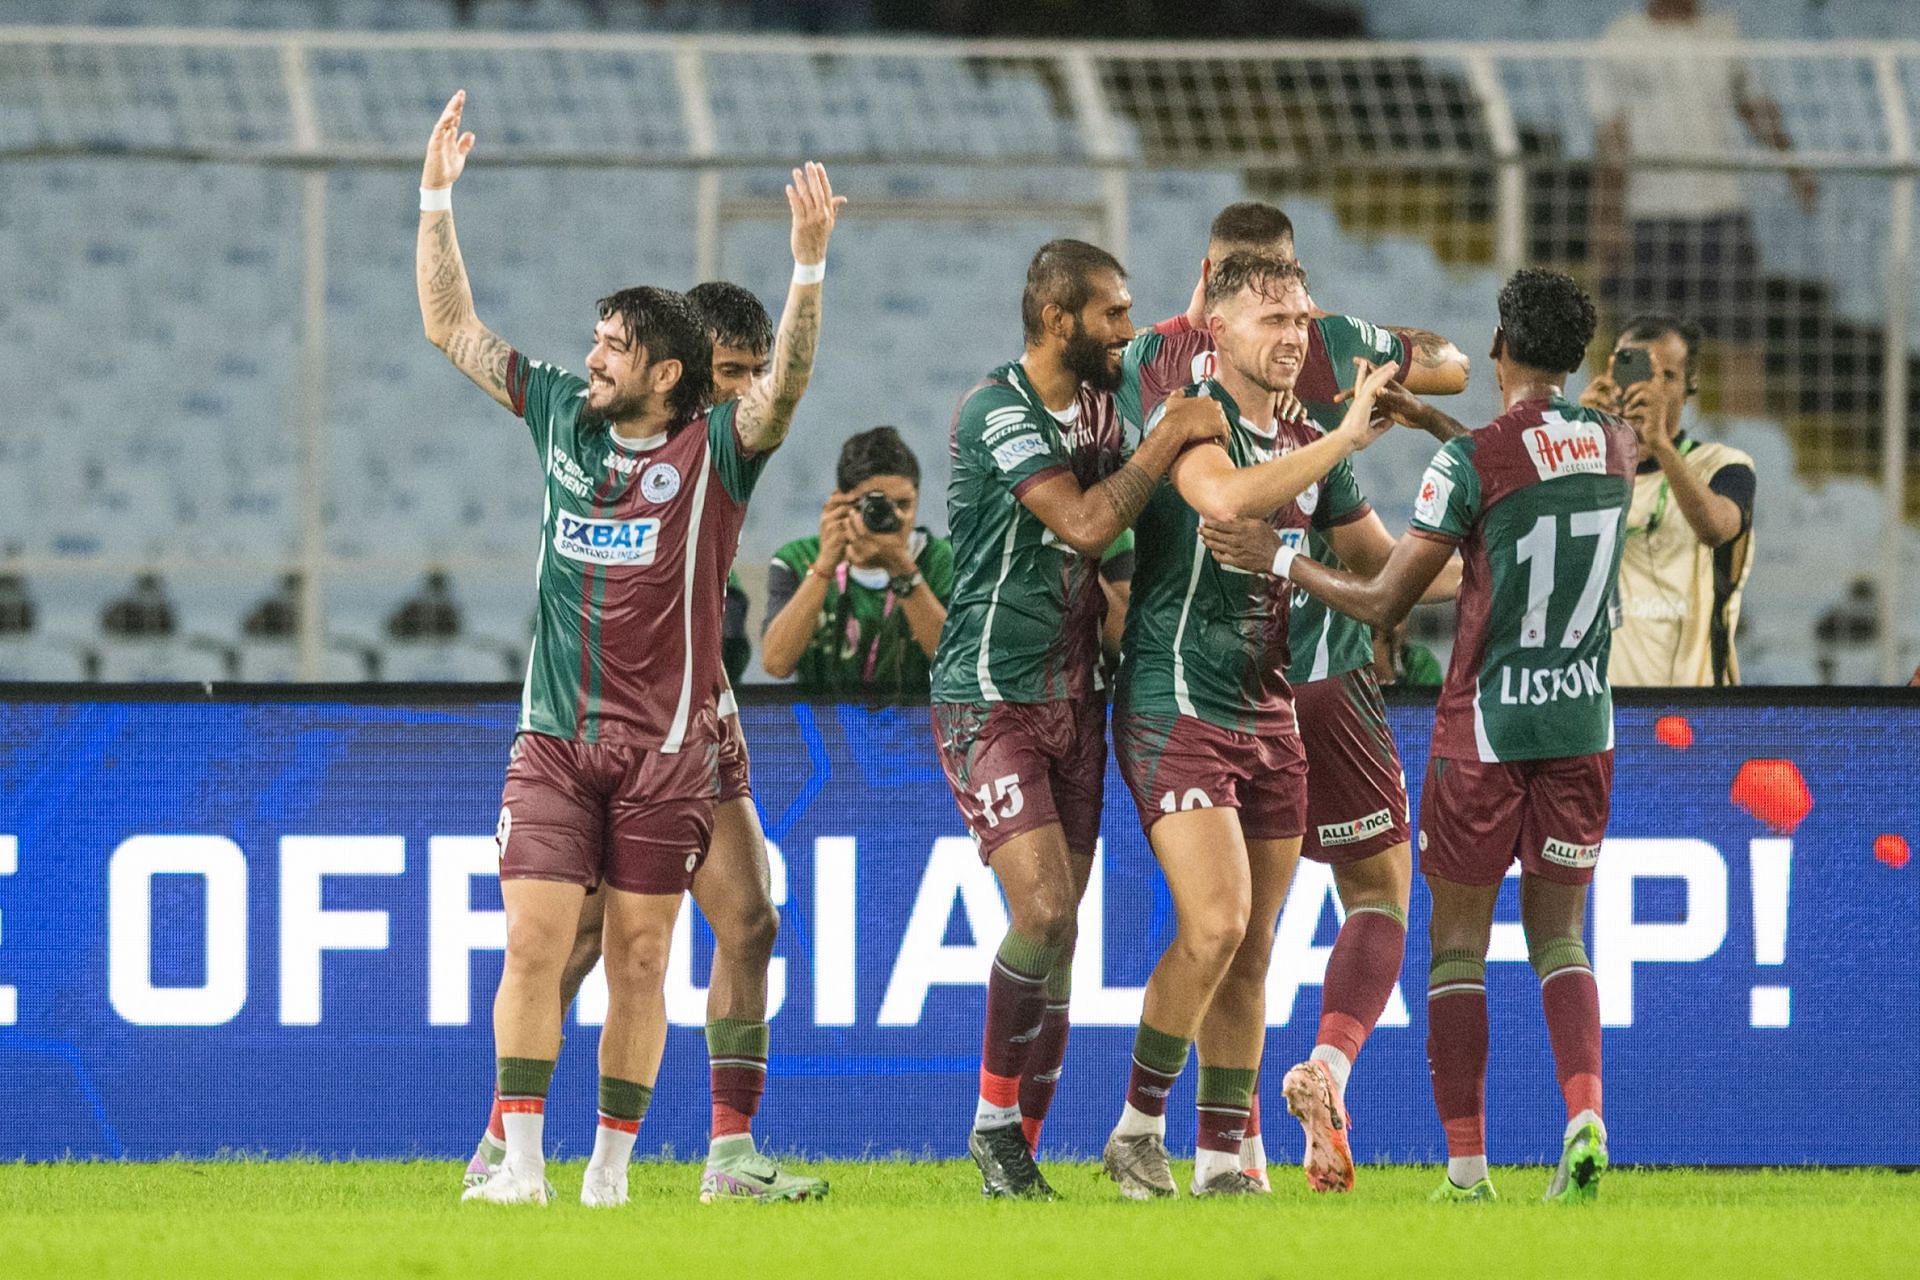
994 409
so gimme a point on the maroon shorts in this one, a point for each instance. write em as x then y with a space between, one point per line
1356 789
734 780
583 813
1018 766
1476 817
1173 763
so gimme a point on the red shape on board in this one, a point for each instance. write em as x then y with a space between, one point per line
1674 731
1774 792
1892 850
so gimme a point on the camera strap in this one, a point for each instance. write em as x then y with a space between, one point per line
886 611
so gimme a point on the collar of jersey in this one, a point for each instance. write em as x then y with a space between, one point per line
645 444
1025 387
1682 442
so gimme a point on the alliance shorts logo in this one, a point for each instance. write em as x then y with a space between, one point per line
1333 834
1578 856
503 830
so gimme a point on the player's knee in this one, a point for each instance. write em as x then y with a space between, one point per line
585 955
1047 916
535 945
636 959
1212 936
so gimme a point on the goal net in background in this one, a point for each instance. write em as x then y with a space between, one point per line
217 377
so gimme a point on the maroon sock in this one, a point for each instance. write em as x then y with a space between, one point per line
1457 1048
1571 1001
1016 1004
1360 976
1044 1062
1222 1128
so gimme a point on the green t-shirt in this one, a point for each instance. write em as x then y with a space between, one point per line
1537 503
1204 639
862 643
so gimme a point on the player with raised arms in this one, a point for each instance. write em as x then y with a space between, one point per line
1043 481
1356 789
1204 724
1522 758
613 774
731 886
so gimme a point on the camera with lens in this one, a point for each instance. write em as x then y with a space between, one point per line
877 513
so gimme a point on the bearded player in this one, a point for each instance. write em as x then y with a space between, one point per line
1522 758
731 887
1204 726
1043 482
1356 789
612 779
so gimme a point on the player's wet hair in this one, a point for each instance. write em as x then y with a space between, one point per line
1250 224
734 316
670 328
1268 275
1655 325
879 452
1062 273
1548 320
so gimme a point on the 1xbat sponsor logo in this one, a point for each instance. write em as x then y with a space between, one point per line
626 542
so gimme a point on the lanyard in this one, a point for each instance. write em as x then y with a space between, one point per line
886 612
1648 529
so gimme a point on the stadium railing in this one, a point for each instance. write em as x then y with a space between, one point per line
1421 173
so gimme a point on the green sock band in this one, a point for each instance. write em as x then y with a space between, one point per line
1557 954
736 1038
1456 966
1392 910
524 1077
1227 1086
624 1099
1060 980
1159 1052
1026 957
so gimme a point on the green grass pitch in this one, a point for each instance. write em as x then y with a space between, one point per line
257 1219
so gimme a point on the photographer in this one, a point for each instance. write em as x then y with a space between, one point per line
858 608
1689 536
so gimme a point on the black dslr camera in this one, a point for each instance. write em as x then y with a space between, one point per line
876 512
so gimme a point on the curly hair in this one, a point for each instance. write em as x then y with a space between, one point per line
1548 320
669 327
734 316
1266 274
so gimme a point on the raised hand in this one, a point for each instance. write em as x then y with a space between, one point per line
1361 420
447 147
1601 394
810 196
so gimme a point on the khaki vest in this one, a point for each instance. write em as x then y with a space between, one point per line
1674 614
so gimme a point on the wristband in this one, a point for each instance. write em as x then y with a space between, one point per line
813 571
436 199
810 272
1283 561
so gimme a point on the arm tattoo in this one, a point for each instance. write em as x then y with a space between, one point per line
1428 348
446 308
766 413
1126 492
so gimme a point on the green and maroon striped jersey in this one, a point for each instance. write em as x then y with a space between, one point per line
1327 643
1536 502
1204 639
1324 643
635 544
1024 621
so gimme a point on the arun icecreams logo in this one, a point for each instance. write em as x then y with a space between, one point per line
591 541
